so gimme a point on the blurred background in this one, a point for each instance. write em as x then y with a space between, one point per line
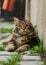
18 11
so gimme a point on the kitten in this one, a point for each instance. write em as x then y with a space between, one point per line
22 37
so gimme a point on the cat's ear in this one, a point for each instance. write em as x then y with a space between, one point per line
28 19
16 20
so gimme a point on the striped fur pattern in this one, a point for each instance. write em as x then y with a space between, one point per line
22 36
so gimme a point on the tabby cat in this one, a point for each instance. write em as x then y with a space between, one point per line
22 37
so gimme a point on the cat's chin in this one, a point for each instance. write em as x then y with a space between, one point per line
22 33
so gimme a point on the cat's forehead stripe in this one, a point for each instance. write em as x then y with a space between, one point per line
20 22
24 22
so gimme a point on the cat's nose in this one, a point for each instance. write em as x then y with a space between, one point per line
23 28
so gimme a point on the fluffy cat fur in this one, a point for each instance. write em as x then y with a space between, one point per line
22 37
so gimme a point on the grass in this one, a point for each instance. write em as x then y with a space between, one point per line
2 48
5 30
15 59
9 22
3 37
43 64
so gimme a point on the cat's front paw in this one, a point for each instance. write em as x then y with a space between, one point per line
19 49
23 48
10 48
5 42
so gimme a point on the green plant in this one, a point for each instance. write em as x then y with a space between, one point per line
15 59
36 29
36 34
37 49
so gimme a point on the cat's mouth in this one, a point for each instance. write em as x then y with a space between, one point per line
24 33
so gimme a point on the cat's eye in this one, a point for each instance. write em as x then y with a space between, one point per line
17 28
